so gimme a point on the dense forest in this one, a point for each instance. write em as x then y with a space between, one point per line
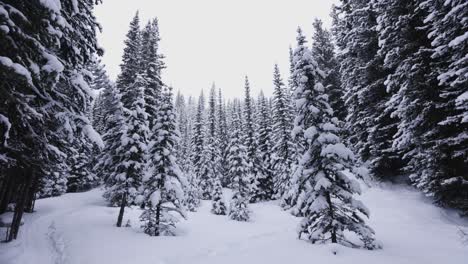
381 95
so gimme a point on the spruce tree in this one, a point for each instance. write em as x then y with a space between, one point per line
99 82
163 192
361 71
239 172
183 153
283 147
192 196
183 147
325 195
126 177
290 195
223 140
81 177
131 65
265 178
250 142
212 157
218 205
323 51
54 183
152 65
198 142
131 83
109 157
41 69
444 176
370 124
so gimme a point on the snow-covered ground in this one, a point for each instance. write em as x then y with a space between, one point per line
79 229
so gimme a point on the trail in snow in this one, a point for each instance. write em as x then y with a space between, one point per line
79 228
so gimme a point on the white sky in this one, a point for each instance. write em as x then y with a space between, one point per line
219 41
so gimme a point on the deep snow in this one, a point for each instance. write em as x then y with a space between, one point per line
79 228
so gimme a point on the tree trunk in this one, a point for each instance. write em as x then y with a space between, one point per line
123 204
20 205
5 192
31 196
332 216
157 226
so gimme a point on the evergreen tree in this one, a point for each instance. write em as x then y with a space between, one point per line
223 140
81 176
323 51
325 195
99 82
212 158
218 205
370 124
239 172
250 142
53 183
198 142
42 92
361 71
131 65
126 177
265 181
183 147
192 201
445 174
283 147
152 64
109 157
128 173
163 186
289 197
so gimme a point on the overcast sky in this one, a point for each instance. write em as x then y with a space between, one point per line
219 41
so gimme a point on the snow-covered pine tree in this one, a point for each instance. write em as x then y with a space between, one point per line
219 205
125 179
370 124
192 194
197 143
265 178
212 157
283 147
104 107
323 51
239 171
163 192
447 179
152 66
81 177
183 152
131 83
250 142
192 197
54 183
326 191
291 68
134 144
413 98
40 69
223 140
110 155
201 155
99 82
361 71
131 65
291 193
183 146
